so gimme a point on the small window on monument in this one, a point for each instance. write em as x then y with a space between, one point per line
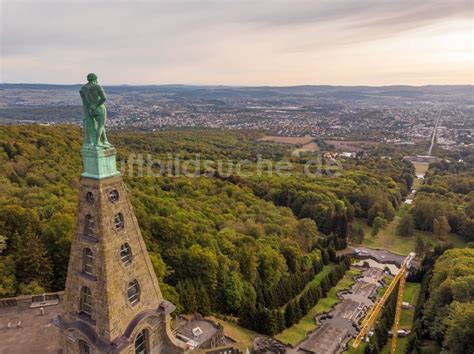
90 198
133 292
141 343
86 300
84 347
87 258
88 225
114 196
126 253
118 220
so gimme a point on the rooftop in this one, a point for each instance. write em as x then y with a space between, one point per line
26 326
196 331
25 330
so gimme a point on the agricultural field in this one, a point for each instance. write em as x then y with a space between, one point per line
309 147
291 140
351 145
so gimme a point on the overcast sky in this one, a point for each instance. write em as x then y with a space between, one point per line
238 42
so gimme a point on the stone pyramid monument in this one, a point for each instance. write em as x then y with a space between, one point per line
113 302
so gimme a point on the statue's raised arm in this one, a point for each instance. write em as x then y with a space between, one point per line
95 114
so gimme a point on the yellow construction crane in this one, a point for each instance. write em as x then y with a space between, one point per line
368 322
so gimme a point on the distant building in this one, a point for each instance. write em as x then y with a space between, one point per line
347 154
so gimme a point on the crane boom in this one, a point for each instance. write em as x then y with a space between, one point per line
368 323
398 313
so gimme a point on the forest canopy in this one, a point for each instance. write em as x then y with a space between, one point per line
228 244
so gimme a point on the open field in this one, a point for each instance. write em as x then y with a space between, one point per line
309 147
388 238
297 332
237 332
401 346
420 168
412 290
351 145
291 140
406 319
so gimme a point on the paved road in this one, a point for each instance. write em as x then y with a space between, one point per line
380 255
433 136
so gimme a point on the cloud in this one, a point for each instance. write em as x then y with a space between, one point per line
194 41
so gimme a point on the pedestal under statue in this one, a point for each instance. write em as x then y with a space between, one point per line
98 154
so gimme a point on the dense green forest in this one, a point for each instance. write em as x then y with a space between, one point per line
244 245
445 201
444 315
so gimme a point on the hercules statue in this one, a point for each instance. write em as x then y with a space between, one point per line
95 114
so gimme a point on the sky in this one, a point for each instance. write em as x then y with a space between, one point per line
238 42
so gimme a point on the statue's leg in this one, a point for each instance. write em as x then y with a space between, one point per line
94 127
104 138
98 135
104 135
91 129
100 126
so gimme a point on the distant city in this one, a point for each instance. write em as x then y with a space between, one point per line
392 114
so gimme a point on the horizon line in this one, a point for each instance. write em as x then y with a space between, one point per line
238 86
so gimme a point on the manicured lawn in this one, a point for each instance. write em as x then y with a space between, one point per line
317 278
412 290
297 332
359 350
237 332
410 293
406 319
388 238
401 346
420 168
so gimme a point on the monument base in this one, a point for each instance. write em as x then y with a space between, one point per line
99 162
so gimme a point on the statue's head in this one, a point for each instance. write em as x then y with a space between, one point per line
91 77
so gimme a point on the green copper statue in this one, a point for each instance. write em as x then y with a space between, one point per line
95 114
